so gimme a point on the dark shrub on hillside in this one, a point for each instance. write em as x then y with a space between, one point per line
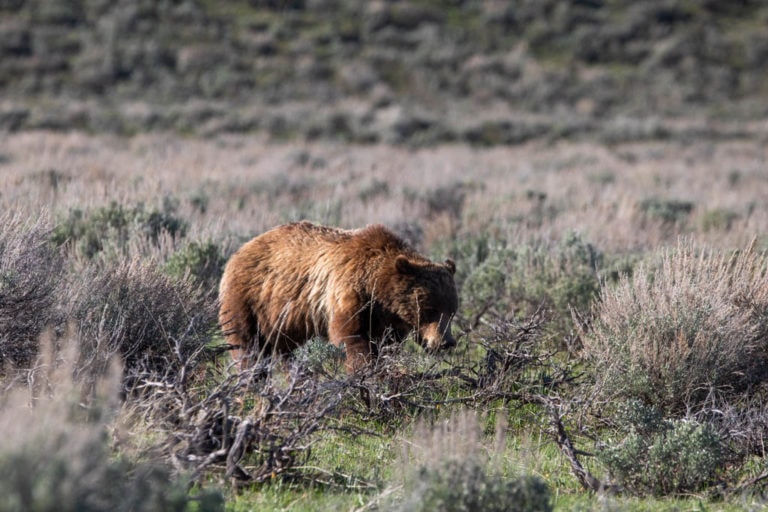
29 273
154 322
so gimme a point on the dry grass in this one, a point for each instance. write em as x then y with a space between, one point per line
246 185
29 273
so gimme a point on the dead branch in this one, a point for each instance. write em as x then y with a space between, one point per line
565 444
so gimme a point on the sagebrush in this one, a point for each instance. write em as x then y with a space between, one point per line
655 455
131 309
56 453
30 269
691 325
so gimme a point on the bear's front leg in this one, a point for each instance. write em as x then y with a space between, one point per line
344 328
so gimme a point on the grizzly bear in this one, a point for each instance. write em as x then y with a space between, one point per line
352 287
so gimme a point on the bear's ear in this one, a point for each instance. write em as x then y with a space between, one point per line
404 265
450 265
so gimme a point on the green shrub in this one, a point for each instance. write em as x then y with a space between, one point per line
155 223
199 201
201 260
692 328
662 456
501 280
319 355
29 275
373 189
604 177
448 199
112 227
718 220
666 211
87 233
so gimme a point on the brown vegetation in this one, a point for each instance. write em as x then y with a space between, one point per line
530 191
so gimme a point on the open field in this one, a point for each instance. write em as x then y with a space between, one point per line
553 241
623 198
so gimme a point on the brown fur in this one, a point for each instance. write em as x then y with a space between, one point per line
354 287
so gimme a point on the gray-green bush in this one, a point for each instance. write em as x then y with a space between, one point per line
668 212
501 280
131 309
662 456
55 455
111 227
203 261
467 486
319 355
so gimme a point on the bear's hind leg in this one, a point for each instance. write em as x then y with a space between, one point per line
238 326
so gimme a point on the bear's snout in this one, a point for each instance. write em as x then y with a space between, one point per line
437 335
447 341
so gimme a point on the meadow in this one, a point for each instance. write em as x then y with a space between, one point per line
613 327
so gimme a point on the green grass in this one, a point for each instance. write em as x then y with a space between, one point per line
285 497
585 502
295 498
376 457
359 463
356 461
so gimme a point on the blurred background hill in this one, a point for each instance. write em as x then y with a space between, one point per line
416 71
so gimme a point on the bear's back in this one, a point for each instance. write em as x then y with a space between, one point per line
289 274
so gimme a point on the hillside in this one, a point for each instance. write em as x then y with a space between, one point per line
417 71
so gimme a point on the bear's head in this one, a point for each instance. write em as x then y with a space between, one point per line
427 299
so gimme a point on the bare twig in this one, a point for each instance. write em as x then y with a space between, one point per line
565 444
